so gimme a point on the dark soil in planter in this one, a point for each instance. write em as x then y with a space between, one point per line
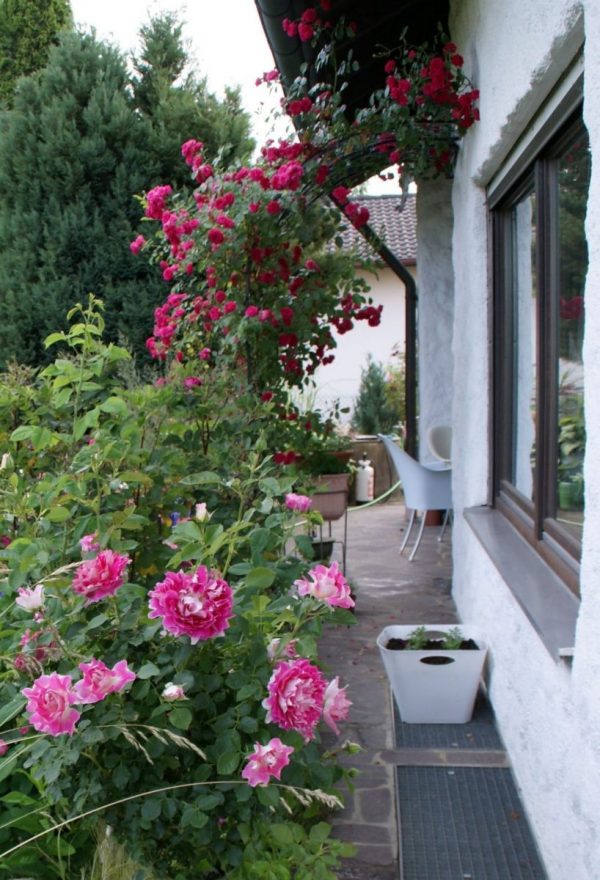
431 645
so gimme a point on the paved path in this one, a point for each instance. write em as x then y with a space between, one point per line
389 589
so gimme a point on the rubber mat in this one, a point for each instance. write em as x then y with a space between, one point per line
464 824
479 733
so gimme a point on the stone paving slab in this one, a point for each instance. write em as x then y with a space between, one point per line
389 589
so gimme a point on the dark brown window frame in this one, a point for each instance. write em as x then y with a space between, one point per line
537 168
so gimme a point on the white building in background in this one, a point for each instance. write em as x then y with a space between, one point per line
340 380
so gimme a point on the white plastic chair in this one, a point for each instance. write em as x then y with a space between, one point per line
439 440
424 489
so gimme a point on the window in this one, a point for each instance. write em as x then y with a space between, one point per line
540 265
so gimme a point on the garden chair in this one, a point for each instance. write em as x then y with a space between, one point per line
425 488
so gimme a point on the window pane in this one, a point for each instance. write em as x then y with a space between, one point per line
573 180
524 348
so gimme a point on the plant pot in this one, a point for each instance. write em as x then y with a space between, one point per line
331 495
433 686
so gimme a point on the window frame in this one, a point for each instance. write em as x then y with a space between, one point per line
537 167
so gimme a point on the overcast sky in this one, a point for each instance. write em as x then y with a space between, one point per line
226 37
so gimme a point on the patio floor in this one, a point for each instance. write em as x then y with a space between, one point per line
399 833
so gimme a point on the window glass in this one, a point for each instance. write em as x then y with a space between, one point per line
524 347
573 181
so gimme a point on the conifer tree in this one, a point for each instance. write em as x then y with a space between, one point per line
74 151
28 29
373 412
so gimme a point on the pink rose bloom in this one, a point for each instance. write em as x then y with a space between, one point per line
266 761
205 354
299 503
30 599
192 381
98 680
3 747
336 705
89 544
49 704
326 584
288 650
197 605
296 696
102 576
137 244
173 692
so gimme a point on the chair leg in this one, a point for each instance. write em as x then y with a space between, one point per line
419 536
408 531
444 524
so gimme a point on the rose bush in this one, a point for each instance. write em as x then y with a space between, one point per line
147 601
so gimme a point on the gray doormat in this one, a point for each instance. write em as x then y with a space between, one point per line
464 823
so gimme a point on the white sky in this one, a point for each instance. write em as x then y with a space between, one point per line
227 43
226 40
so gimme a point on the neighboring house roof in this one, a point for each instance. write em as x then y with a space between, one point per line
398 229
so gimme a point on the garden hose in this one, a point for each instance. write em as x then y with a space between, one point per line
375 500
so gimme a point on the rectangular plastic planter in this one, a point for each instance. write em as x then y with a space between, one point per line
429 690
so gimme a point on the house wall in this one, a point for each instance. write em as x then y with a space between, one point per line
548 711
341 379
435 307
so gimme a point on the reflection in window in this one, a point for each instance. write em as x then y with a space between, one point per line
524 344
573 181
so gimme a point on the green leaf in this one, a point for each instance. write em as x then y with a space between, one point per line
260 578
181 718
200 479
319 832
228 762
193 817
10 709
148 670
116 406
58 514
97 621
53 338
151 809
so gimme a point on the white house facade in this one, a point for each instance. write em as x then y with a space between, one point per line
526 570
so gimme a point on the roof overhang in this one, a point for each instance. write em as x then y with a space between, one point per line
379 26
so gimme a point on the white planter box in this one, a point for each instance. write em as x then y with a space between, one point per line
429 692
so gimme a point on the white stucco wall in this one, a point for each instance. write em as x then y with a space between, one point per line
340 380
548 713
435 307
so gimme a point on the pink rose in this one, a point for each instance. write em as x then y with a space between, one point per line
49 704
299 503
266 761
336 705
29 598
326 584
288 650
197 605
137 244
98 680
173 692
296 695
102 576
89 544
3 747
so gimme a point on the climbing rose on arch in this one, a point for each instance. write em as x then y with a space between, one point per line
197 605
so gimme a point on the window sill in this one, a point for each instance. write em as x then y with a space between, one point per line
548 604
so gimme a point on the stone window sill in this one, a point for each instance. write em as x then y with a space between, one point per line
548 604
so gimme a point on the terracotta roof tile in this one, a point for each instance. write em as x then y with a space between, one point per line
397 228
